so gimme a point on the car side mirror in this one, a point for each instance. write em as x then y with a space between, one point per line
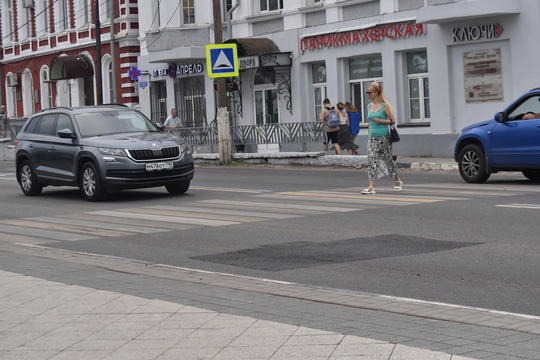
160 126
499 117
66 134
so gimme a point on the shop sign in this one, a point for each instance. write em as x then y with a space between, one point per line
483 75
248 62
362 36
174 70
470 33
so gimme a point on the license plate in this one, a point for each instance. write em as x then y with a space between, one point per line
166 165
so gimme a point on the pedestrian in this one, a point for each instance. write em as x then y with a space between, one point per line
173 123
380 162
4 120
354 120
344 134
331 131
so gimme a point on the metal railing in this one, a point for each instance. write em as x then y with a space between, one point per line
281 133
14 127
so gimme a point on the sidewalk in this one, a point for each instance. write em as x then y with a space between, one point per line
57 304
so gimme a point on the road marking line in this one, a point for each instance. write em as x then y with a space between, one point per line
521 206
209 188
279 205
333 195
126 213
243 214
100 225
43 233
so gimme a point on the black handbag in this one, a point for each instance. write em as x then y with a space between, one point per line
393 134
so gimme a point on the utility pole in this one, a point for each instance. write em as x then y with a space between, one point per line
224 132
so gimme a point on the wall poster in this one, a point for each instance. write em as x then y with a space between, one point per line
483 75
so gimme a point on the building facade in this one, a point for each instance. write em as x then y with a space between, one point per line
51 56
443 63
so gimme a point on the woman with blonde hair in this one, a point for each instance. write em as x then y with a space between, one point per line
380 162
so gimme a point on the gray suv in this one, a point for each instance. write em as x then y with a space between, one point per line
101 150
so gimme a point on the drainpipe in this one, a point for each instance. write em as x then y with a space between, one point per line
113 55
229 18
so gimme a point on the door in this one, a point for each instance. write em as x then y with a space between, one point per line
515 142
267 117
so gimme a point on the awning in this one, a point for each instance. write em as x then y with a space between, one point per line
71 67
254 46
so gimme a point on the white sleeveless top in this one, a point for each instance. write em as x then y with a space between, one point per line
342 119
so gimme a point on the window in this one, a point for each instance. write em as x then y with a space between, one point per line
64 122
318 71
266 107
44 28
362 72
46 89
86 11
158 101
190 99
9 20
62 23
188 12
271 5
227 6
47 125
27 24
418 81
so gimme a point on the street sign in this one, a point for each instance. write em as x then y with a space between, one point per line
222 60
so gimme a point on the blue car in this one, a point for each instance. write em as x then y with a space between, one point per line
508 142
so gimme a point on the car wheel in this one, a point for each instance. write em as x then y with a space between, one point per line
533 175
91 185
28 180
177 189
472 164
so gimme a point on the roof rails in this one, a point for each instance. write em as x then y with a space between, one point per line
78 107
57 107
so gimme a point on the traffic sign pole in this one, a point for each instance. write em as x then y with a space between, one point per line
224 132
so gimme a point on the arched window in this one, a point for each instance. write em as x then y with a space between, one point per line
107 78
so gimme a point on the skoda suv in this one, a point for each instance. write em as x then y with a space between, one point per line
100 150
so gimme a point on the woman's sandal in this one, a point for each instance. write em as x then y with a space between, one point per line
399 186
369 190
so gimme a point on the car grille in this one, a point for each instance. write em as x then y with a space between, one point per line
159 154
143 174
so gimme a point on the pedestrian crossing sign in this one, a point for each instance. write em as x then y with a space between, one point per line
222 60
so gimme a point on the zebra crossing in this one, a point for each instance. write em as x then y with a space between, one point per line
251 206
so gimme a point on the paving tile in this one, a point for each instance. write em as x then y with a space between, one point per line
304 352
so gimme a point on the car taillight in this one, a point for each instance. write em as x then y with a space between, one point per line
16 143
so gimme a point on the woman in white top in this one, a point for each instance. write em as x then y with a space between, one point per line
344 135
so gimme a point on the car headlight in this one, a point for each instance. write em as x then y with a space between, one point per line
112 152
184 148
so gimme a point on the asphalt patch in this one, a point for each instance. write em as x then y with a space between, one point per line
304 254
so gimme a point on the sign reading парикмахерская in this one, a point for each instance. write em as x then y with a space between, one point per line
360 36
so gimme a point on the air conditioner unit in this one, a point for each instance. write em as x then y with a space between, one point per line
12 80
28 3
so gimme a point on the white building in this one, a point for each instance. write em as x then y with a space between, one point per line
443 63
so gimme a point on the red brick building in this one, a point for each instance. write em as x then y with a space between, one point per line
50 57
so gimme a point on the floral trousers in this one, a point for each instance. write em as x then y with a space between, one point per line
380 163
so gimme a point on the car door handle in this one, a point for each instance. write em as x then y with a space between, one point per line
53 147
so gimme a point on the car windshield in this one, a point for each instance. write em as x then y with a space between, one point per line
113 122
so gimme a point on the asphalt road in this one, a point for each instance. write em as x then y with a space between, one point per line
439 240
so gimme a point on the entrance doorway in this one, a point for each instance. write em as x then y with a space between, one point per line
266 113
